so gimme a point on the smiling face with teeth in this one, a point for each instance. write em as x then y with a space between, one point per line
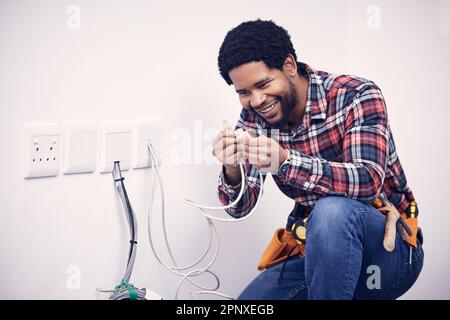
278 96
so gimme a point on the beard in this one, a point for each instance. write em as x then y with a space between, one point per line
287 103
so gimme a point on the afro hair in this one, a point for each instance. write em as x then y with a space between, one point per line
257 40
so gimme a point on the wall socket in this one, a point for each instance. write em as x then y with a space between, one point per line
42 150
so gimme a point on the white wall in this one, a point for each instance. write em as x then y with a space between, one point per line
134 59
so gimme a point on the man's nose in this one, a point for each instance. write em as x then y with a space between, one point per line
257 99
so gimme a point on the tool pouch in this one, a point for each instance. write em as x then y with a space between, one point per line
411 222
279 248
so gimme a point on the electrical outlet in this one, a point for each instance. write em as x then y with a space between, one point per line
42 150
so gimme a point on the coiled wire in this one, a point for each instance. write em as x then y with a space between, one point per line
212 234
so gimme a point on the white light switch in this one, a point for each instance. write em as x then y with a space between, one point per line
79 147
143 131
115 145
42 150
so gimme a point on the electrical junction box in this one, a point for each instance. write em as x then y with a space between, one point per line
79 147
145 131
115 140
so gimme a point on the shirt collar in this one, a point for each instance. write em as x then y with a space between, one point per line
316 102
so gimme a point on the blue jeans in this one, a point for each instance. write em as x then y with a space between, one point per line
344 259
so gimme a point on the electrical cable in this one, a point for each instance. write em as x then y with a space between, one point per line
125 290
213 232
240 134
174 268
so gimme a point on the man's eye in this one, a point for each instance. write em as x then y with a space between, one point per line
263 85
242 93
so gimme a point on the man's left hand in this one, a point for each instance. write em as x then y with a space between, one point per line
263 152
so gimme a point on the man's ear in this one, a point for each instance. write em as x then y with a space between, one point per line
290 65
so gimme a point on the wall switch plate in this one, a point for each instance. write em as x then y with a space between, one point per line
115 145
143 131
79 147
42 150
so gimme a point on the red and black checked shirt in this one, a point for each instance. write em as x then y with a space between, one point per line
343 147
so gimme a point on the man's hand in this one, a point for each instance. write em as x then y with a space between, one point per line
225 149
263 152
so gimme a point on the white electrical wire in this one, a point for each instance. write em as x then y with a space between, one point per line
252 212
175 269
241 192
240 134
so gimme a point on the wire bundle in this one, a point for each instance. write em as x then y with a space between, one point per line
125 290
213 232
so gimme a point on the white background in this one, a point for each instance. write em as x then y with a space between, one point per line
137 59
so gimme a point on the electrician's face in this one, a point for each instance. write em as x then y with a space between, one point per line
269 92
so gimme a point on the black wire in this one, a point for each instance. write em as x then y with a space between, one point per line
280 279
129 213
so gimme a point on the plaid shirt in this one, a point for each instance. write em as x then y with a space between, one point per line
344 147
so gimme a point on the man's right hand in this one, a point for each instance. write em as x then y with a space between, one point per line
225 149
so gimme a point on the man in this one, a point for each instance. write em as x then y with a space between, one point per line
329 140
